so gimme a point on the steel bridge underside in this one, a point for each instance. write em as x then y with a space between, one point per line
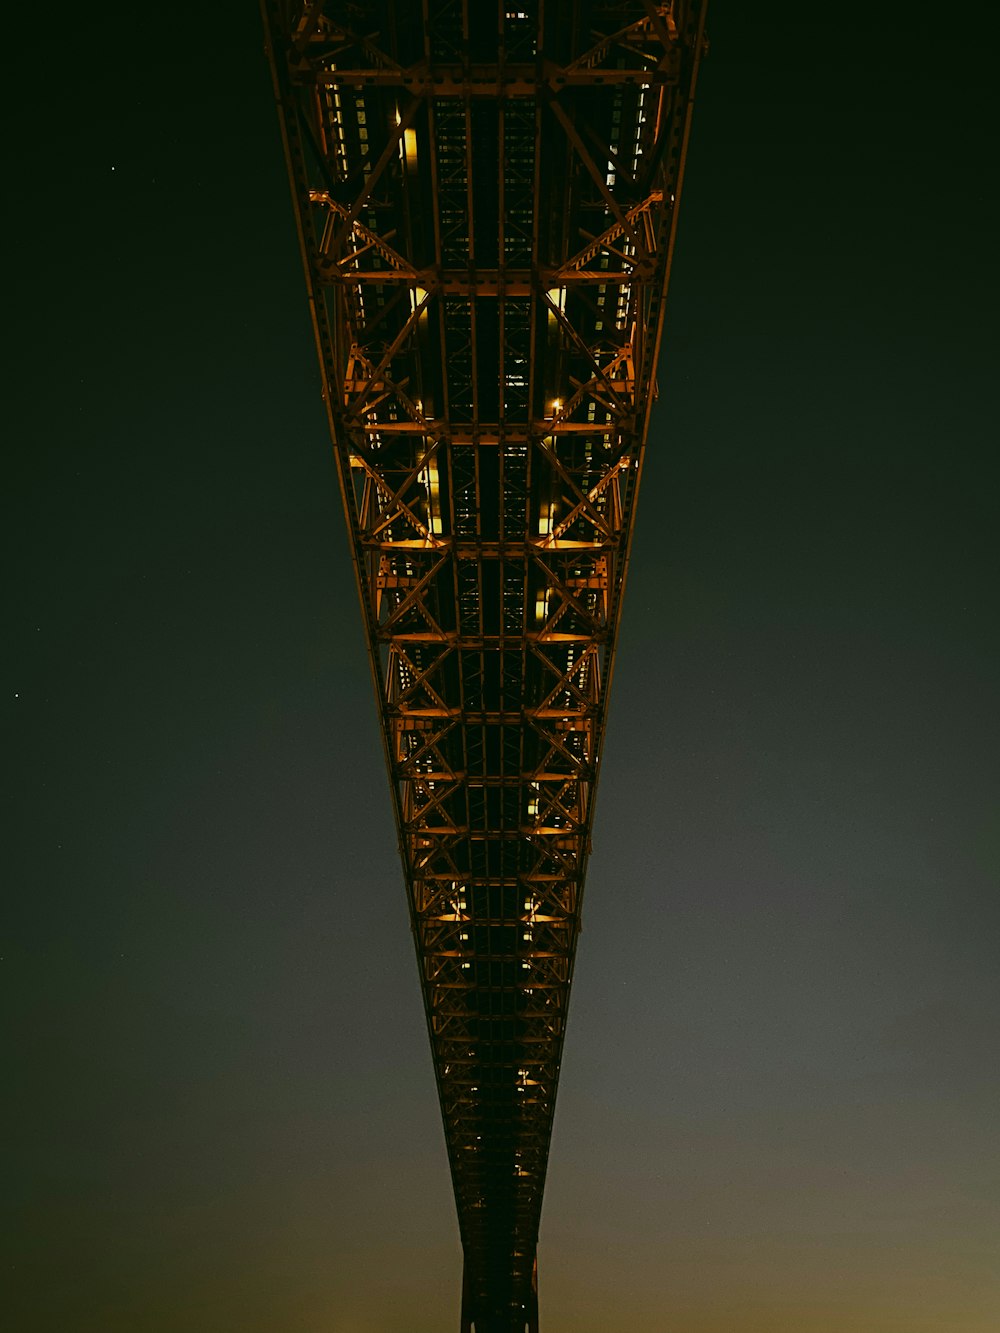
486 197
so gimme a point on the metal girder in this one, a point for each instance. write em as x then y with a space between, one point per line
486 198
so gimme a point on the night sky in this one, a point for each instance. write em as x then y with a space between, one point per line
778 1110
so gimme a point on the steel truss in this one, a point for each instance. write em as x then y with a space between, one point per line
486 197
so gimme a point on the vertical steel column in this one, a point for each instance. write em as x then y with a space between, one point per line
532 1325
466 1301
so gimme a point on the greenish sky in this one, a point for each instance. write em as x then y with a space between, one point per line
778 1107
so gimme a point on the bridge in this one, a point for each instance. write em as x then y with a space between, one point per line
487 198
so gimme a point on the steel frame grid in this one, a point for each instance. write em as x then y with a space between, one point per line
486 199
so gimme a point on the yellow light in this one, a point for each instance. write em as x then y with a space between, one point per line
432 486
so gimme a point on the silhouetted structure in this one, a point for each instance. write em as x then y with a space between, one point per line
486 197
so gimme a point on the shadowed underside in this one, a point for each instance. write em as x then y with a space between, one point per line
486 197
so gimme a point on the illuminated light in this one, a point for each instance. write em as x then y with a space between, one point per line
557 295
433 489
542 605
408 149
556 404
545 520
418 295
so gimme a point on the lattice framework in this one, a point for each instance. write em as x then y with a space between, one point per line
487 197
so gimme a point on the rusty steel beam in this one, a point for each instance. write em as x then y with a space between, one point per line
486 197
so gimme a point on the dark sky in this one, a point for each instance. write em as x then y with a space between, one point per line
779 1102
